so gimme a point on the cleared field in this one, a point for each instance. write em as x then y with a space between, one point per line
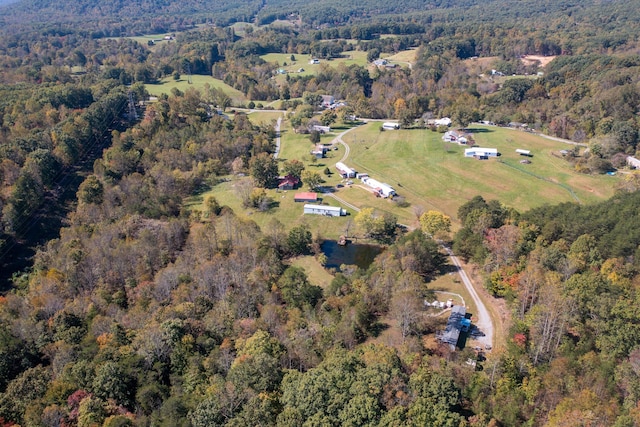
302 61
315 272
404 56
263 117
434 174
198 82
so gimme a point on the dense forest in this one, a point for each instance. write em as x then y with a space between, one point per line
123 306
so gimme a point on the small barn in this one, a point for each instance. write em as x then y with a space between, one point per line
324 210
481 153
306 197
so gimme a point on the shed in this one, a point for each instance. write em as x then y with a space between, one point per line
390 126
324 210
305 197
524 152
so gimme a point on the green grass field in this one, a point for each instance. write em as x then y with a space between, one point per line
302 61
434 174
198 82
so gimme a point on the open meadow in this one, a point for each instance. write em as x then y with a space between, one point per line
435 174
197 82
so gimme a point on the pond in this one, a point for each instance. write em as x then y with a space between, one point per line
358 254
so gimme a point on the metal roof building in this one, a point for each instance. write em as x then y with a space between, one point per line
457 322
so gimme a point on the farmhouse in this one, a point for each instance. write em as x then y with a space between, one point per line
288 182
324 210
306 197
390 126
345 171
384 190
481 153
380 62
456 324
455 136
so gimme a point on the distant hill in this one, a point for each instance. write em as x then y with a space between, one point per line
119 17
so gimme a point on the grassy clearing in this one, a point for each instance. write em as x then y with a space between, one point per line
403 56
264 117
302 62
315 272
434 174
198 83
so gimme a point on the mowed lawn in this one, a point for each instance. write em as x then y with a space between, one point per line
347 58
197 82
435 174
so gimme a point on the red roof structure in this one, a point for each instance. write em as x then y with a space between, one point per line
305 197
288 182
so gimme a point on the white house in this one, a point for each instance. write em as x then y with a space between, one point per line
385 190
481 153
324 210
345 171
390 126
451 136
328 101
445 121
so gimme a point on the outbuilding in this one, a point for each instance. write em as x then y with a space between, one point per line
522 152
324 210
390 126
306 197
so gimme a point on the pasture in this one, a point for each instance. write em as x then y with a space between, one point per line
198 82
436 175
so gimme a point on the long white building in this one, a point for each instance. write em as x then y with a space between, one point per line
324 210
481 152
345 171
385 190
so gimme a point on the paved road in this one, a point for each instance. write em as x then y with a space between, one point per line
483 319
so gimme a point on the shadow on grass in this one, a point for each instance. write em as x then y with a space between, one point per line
478 130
